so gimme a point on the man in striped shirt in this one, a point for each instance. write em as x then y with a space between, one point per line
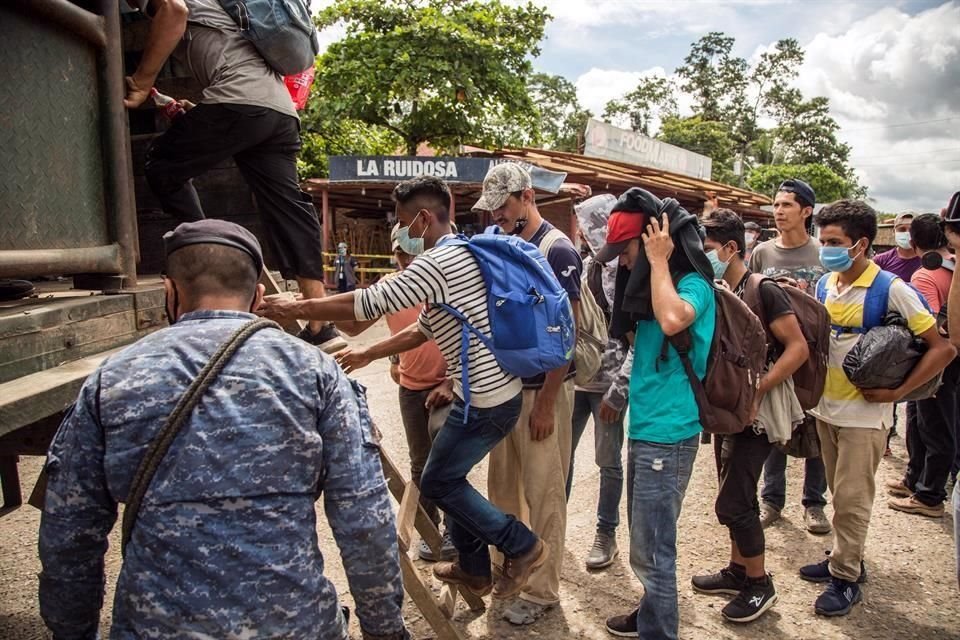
852 423
448 275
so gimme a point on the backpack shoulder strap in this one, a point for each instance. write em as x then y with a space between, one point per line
188 401
822 288
877 299
550 239
753 300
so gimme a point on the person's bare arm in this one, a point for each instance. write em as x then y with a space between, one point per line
786 329
355 327
352 359
284 310
673 314
167 27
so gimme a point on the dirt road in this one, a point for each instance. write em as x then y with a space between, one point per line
911 593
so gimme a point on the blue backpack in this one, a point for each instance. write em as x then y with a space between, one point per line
281 30
531 318
875 303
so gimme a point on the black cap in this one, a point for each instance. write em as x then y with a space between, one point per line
637 200
213 231
803 192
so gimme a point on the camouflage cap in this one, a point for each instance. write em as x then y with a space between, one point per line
592 216
502 180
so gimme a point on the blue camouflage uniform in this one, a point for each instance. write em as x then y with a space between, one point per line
226 543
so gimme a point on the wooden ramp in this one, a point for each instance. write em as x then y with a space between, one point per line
411 516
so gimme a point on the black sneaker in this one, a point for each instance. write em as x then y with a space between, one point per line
447 550
623 626
820 572
838 599
726 581
328 339
757 596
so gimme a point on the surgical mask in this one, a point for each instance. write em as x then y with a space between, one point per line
836 259
413 246
902 238
719 266
750 238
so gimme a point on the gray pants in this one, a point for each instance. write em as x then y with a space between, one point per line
416 424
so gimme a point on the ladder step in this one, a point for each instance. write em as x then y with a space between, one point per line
406 516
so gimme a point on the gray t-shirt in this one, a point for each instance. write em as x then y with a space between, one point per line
228 66
801 264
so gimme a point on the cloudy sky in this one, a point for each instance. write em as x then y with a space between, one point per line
890 69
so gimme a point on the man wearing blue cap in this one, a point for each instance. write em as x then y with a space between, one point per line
793 258
225 542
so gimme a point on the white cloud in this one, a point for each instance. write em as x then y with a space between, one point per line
892 83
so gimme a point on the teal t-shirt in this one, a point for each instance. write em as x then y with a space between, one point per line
662 406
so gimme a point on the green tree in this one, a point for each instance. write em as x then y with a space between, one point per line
653 98
438 71
562 120
807 132
706 137
714 77
828 185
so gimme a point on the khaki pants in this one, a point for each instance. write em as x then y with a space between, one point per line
851 457
528 479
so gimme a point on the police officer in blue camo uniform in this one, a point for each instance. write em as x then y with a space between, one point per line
225 545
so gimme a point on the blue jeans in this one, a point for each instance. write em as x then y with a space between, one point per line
608 443
473 522
774 490
657 478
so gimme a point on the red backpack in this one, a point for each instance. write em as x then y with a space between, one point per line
735 365
814 321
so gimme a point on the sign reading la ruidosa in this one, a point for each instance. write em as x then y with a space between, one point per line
454 170
612 143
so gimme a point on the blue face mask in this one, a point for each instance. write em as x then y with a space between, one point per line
413 246
836 258
719 266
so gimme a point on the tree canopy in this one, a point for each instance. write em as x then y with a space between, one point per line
442 71
746 117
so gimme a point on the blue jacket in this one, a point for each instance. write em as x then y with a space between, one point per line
226 542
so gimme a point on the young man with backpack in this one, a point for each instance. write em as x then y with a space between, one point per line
451 280
246 114
663 294
852 423
590 398
424 392
931 438
792 258
528 470
743 454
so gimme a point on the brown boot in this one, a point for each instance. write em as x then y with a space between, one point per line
451 573
516 571
897 489
914 506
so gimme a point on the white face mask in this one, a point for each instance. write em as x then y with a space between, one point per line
750 237
902 238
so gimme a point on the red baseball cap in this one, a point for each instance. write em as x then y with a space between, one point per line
622 227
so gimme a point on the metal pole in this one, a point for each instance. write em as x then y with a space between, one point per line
24 263
327 228
88 26
118 163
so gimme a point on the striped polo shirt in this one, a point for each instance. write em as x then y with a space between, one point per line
842 403
448 275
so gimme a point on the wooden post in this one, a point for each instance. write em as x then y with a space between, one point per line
10 479
574 226
453 207
327 229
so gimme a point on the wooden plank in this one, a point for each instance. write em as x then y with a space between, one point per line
31 398
426 602
272 289
406 516
448 599
397 484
